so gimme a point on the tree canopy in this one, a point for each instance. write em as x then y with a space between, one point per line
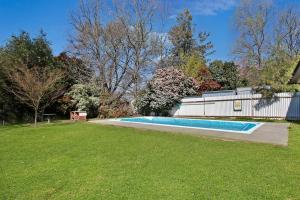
166 89
268 42
30 75
226 74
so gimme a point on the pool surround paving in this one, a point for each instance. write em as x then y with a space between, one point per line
268 132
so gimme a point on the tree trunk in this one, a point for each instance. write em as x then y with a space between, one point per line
42 111
35 117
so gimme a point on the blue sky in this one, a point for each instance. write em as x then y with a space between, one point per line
53 16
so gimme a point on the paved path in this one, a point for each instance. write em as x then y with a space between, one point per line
271 133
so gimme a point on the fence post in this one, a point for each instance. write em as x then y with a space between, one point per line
252 114
298 114
204 105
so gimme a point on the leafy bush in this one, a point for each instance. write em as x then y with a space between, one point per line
206 83
226 74
115 110
194 66
277 73
85 97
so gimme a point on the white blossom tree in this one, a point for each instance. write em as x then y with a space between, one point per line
85 97
168 87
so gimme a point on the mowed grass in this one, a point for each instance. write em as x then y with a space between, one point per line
90 161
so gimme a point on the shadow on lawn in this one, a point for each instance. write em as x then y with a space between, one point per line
39 125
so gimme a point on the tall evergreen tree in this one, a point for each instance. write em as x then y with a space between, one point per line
24 53
181 35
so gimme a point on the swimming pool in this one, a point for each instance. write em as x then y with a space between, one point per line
217 125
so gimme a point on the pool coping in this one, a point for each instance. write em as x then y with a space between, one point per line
258 124
268 132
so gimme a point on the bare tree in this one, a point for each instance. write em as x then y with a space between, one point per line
267 42
288 31
145 44
104 48
35 87
122 50
251 23
118 56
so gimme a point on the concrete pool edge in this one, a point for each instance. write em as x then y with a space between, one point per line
269 132
250 131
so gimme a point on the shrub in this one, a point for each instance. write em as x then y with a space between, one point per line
85 97
117 109
167 87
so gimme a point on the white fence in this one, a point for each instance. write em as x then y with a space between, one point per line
285 105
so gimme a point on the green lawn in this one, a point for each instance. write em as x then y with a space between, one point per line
89 161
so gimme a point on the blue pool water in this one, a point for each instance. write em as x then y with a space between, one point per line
219 125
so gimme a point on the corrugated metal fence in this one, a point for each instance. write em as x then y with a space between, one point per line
285 105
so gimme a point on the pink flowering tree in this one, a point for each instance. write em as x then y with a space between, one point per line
167 87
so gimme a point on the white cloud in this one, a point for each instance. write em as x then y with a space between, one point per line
207 7
211 7
172 16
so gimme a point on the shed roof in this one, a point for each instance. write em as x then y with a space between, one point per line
296 74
